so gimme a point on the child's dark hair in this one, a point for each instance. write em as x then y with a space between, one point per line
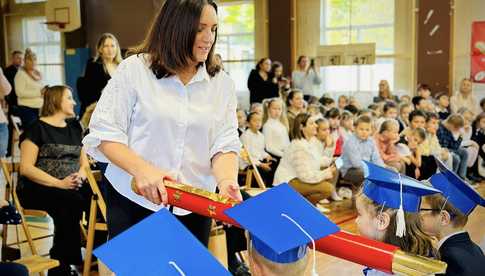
482 102
363 119
351 108
416 113
424 87
388 105
333 113
440 95
291 95
326 100
251 115
417 100
432 115
373 106
439 203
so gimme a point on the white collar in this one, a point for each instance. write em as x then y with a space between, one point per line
440 243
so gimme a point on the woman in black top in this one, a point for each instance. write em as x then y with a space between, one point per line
99 70
261 85
52 172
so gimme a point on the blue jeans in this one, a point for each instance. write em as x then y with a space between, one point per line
3 139
460 159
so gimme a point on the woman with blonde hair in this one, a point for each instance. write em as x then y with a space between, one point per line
275 128
28 86
100 69
384 93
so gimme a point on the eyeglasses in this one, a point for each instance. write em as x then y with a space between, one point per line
429 209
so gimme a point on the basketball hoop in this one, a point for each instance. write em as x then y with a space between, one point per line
60 25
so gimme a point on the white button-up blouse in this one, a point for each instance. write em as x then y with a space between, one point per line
176 127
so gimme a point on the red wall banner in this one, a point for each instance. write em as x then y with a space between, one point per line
478 52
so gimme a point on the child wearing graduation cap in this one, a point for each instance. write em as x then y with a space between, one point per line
387 207
279 233
445 216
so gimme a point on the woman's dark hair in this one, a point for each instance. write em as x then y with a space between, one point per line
300 58
170 40
300 122
258 65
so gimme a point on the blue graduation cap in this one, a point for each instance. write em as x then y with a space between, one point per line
461 195
162 246
384 187
393 190
281 223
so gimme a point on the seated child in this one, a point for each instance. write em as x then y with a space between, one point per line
450 137
386 140
443 106
379 216
445 216
254 142
360 146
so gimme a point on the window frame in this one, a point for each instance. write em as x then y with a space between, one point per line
27 44
357 28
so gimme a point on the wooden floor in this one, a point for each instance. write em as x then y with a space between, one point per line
342 213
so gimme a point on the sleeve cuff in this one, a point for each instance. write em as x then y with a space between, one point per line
94 139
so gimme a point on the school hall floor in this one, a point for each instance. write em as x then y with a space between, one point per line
342 213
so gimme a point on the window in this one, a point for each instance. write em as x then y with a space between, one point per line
358 21
28 1
235 41
47 45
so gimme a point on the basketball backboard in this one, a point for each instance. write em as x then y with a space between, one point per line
63 15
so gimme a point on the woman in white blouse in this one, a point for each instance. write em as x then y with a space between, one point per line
168 111
28 86
300 166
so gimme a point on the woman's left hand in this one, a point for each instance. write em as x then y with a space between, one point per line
230 189
80 176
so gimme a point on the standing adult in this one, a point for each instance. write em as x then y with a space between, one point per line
17 60
100 69
5 89
168 111
306 76
28 86
260 84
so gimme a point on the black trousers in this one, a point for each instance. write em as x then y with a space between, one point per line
122 213
65 207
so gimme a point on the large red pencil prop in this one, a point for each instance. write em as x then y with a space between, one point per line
350 247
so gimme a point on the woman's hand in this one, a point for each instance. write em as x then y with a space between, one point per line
69 182
230 188
149 184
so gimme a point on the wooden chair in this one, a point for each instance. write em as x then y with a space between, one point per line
35 262
38 264
97 201
251 171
